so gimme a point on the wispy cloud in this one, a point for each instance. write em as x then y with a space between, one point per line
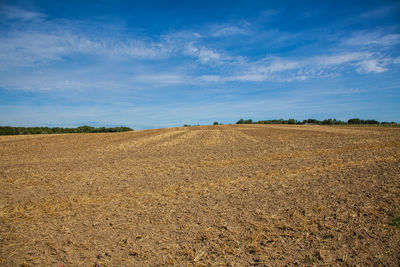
48 42
228 30
55 81
339 59
203 54
376 38
379 12
16 13
368 66
33 48
286 70
161 79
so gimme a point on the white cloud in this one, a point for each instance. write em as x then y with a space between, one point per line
338 59
161 79
368 66
191 49
279 65
250 77
15 13
379 12
31 41
267 69
32 48
52 81
356 90
134 49
207 55
46 42
211 78
283 70
396 60
229 30
367 38
25 49
203 54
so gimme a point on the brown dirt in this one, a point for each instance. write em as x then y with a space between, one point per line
235 195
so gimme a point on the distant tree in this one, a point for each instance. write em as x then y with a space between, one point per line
359 121
242 121
354 121
327 122
371 122
311 121
264 122
7 130
58 130
332 122
215 123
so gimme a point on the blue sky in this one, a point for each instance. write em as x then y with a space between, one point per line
149 64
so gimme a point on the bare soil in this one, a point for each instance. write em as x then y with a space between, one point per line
234 195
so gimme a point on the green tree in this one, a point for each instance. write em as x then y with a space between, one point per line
354 121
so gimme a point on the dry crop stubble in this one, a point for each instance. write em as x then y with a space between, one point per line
235 195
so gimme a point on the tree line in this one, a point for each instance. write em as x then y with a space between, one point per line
355 121
8 130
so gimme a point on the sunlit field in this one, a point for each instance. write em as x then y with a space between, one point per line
235 195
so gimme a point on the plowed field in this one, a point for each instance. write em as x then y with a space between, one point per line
235 195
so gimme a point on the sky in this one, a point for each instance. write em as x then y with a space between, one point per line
151 64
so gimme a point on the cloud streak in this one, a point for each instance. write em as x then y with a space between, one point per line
229 30
372 38
152 60
13 13
22 49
